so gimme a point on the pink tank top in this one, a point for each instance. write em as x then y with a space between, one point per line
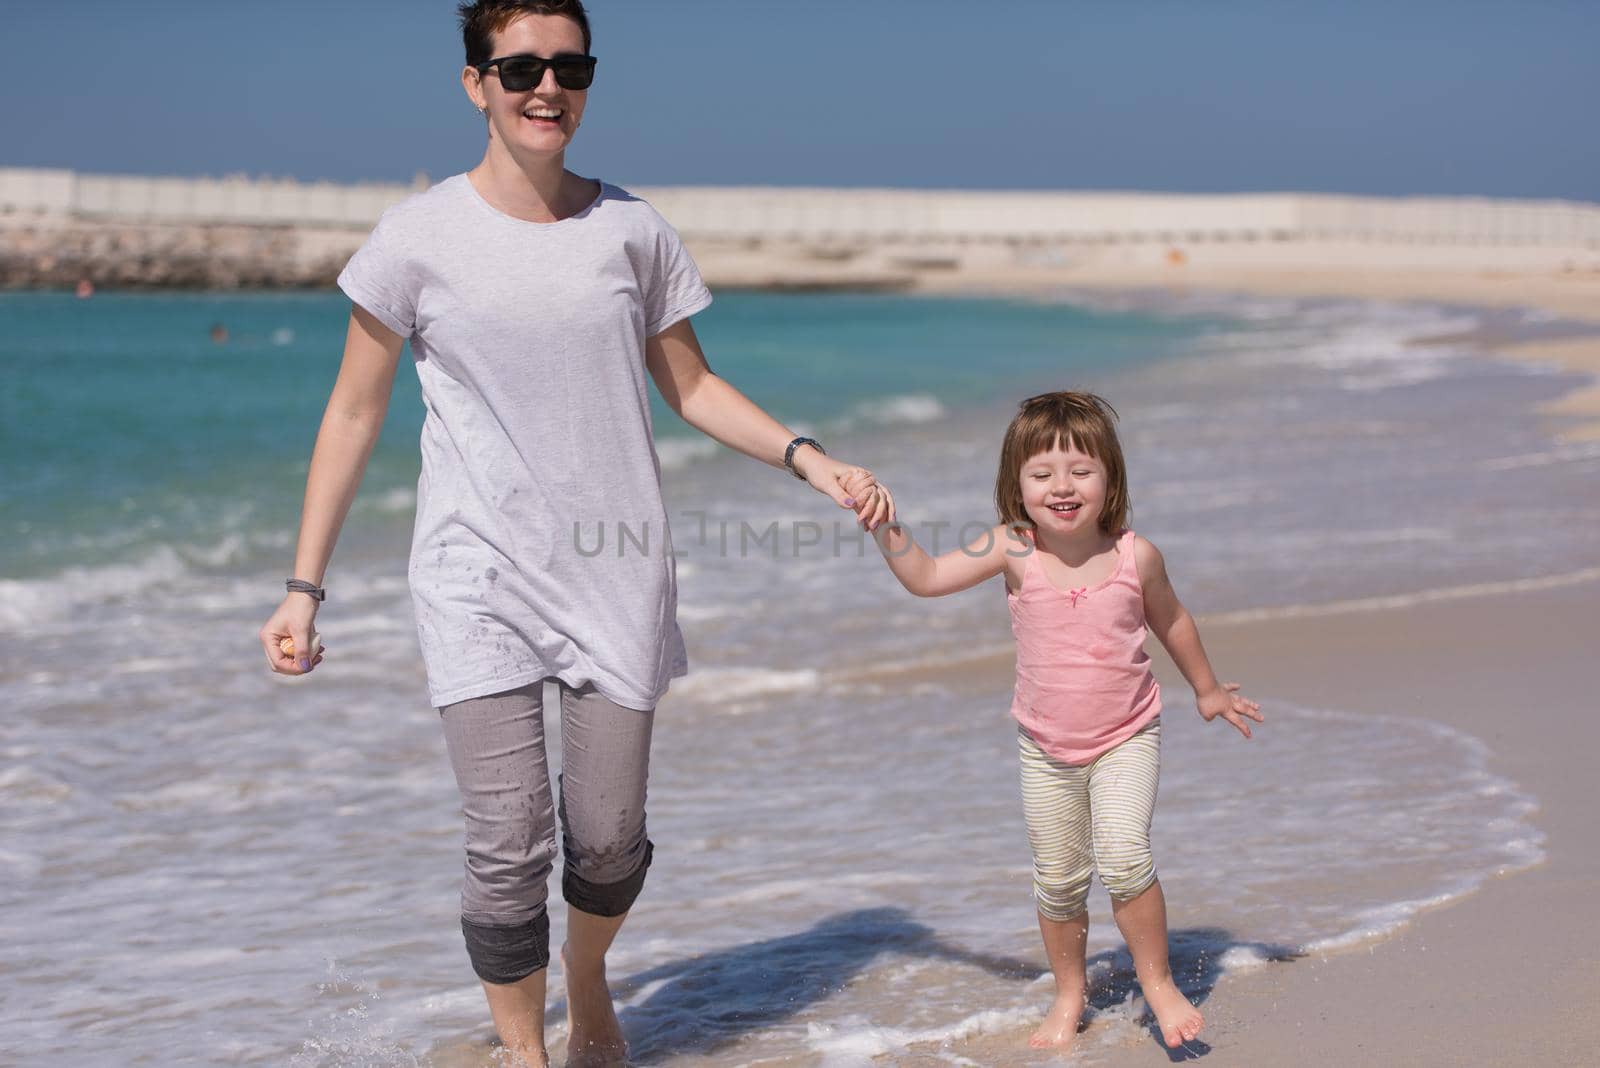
1083 678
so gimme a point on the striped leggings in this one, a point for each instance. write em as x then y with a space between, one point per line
1094 817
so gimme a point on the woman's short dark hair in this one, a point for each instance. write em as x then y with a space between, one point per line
482 20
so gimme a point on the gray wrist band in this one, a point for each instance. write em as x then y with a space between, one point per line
302 586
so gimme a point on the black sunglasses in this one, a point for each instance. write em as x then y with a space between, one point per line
518 74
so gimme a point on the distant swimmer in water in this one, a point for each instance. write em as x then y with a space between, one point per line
85 289
219 333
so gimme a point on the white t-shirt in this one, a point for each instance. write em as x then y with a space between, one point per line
536 448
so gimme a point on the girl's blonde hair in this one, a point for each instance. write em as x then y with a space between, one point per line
1065 419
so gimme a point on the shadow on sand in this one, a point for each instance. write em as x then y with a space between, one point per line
703 1003
1195 956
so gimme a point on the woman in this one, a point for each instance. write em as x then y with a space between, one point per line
535 301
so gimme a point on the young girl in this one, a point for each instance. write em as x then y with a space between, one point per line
1083 592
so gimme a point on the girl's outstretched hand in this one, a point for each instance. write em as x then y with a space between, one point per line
1226 701
871 499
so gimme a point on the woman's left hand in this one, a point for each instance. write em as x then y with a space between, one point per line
850 486
873 502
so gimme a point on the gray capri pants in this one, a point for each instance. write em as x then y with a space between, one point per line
1090 818
497 749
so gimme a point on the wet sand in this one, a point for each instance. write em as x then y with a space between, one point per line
1508 974
1574 295
1576 415
1571 296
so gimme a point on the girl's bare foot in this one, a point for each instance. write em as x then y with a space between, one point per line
1179 1020
594 1037
1060 1026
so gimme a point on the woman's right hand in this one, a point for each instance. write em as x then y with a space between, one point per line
292 620
350 428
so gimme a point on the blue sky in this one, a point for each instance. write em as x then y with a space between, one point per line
1408 97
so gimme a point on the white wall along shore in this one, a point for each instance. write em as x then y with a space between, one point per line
823 233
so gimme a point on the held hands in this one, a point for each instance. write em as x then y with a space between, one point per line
850 486
871 499
1226 701
287 636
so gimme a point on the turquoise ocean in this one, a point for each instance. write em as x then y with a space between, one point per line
204 864
128 429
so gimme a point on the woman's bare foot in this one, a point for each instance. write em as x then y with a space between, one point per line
522 1057
1179 1020
594 1037
1060 1026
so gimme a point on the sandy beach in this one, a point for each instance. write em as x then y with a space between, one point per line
1574 415
820 938
1338 275
1574 295
1510 973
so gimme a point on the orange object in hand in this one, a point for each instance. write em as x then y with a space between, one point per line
286 645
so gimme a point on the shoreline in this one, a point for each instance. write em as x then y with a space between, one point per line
1464 655
1465 659
1409 994
1576 413
1422 987
1571 297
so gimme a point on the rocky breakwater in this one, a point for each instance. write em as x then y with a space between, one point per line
45 252
56 253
